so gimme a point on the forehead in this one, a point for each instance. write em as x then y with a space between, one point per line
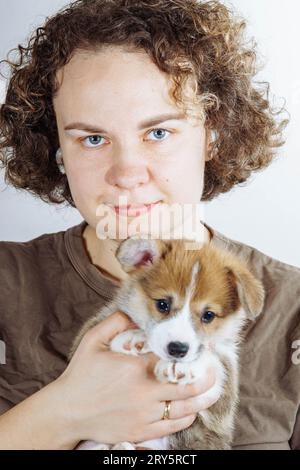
111 74
110 82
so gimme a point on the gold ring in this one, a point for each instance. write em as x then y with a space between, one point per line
166 414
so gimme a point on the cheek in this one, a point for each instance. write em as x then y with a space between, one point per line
181 177
182 183
78 187
85 184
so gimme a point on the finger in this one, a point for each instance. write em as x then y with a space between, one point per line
107 329
181 408
150 360
168 426
171 391
205 400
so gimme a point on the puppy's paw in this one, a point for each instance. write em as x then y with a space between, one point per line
123 446
176 372
132 342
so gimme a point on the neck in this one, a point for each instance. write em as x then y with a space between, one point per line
102 252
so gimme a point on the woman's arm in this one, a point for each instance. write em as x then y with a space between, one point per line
36 423
102 396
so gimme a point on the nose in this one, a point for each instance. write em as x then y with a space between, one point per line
178 349
127 176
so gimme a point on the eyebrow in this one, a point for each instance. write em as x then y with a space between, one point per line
143 125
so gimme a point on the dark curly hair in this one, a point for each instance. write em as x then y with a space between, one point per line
201 42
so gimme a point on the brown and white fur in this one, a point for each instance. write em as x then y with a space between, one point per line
190 283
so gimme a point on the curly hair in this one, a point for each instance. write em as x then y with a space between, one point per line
198 41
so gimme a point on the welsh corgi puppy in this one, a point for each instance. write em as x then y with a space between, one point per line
190 307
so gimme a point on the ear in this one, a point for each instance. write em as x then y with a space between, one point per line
134 253
250 291
210 138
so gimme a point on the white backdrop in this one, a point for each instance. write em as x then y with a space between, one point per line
264 212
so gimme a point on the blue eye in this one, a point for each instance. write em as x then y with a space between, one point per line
160 133
208 316
91 139
95 140
163 305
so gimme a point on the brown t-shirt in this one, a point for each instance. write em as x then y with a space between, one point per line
49 287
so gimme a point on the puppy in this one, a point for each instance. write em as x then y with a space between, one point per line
190 307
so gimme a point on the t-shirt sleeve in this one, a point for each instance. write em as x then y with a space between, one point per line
5 405
295 440
44 302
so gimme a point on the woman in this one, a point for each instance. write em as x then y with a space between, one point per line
153 101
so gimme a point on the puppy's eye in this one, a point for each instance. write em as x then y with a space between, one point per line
163 305
208 316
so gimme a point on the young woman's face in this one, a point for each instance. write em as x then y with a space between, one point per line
121 134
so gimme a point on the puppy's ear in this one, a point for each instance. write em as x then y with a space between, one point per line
250 290
135 252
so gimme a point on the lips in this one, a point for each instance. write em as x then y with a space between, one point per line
134 209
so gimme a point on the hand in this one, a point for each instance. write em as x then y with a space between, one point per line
109 397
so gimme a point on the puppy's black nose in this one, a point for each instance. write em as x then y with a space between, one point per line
178 349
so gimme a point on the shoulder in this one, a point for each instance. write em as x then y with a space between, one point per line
271 271
281 282
15 253
26 264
